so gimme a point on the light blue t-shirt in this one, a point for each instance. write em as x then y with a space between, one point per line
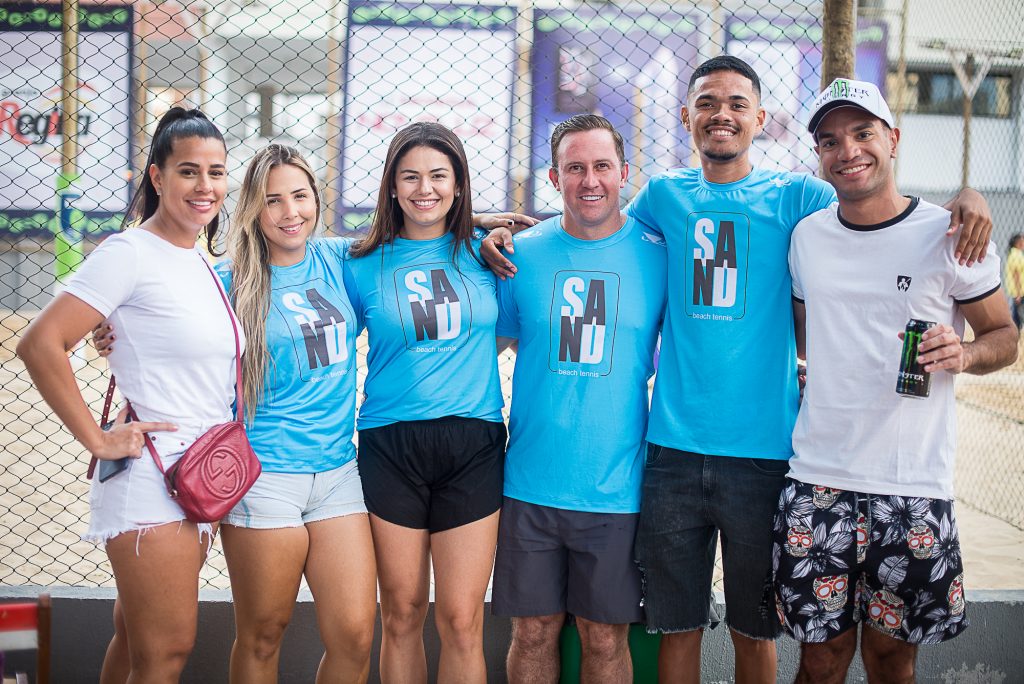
431 332
586 314
727 382
305 421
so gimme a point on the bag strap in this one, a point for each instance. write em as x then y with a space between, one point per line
131 412
239 399
103 421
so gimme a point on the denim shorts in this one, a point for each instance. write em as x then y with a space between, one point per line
136 498
688 500
280 500
552 560
891 562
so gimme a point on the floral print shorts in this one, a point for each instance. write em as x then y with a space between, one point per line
843 557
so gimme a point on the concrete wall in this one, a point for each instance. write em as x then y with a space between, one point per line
989 652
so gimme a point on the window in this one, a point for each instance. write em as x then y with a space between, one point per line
298 117
939 92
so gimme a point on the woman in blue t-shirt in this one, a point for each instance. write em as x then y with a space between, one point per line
431 436
305 515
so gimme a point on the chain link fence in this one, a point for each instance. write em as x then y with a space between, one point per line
338 79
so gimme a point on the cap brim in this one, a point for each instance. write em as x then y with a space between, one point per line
812 125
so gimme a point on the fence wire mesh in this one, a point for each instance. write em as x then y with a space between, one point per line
338 79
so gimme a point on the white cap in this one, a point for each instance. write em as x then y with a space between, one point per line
843 92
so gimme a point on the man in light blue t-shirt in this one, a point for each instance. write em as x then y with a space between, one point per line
585 309
726 395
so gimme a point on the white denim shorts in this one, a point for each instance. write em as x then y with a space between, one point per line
136 498
294 499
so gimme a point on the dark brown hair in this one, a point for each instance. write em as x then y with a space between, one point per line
178 123
387 219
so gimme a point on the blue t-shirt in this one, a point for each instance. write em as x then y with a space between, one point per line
586 314
727 382
431 332
305 421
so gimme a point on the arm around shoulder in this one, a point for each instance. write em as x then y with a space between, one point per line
800 328
971 215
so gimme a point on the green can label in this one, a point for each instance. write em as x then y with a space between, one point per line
912 381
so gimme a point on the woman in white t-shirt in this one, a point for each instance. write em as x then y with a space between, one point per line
175 363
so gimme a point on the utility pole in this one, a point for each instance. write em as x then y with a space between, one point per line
839 23
971 66
69 85
335 102
203 56
965 74
67 242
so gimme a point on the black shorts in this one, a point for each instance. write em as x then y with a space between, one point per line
433 474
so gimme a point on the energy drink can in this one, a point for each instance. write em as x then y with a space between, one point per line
912 381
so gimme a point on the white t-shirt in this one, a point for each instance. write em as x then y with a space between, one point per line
174 357
861 284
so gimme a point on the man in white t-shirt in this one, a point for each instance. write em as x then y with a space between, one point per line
865 529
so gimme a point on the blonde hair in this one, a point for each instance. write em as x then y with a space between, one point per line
250 267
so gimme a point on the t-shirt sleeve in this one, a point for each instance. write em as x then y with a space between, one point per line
978 281
107 278
640 209
508 312
335 248
817 194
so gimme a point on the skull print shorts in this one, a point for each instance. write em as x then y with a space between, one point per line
892 562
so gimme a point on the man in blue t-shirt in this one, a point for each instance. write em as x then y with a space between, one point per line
726 395
585 310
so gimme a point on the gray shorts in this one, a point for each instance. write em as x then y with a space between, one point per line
552 561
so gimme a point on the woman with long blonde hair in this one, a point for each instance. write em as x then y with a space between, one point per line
305 515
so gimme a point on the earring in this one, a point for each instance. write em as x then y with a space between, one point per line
394 196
